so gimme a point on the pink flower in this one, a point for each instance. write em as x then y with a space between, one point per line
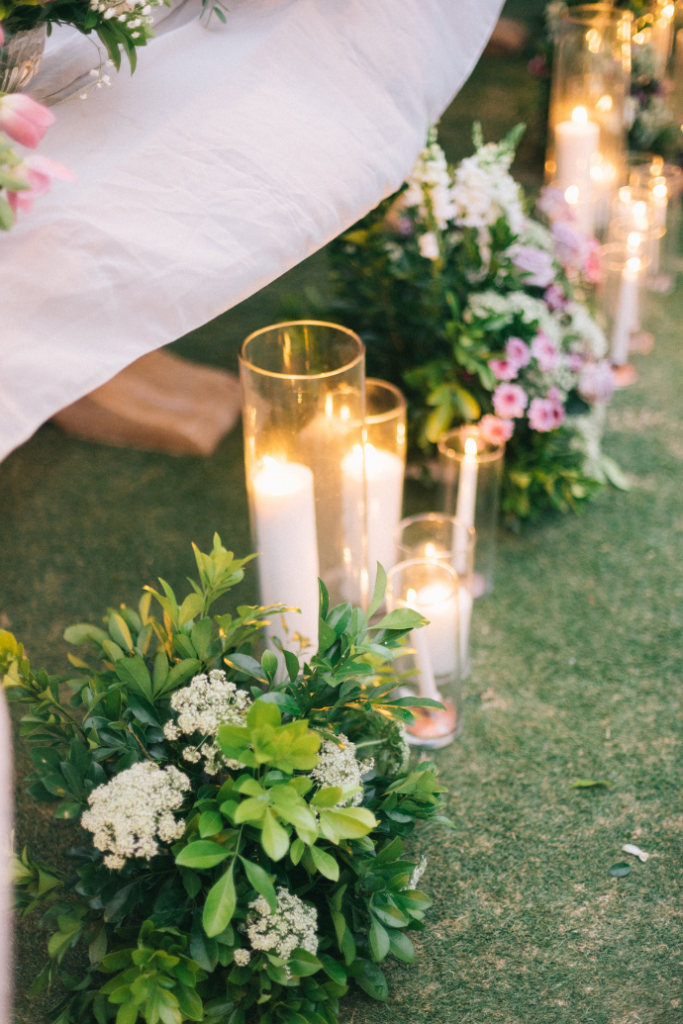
555 298
592 265
509 400
517 352
2 34
537 265
575 362
543 349
494 430
541 415
504 369
38 171
553 204
596 382
23 119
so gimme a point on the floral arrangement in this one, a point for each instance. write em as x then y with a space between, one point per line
122 25
652 125
23 179
474 307
239 862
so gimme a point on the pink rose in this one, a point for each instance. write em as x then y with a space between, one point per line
517 352
544 351
596 382
592 265
555 298
38 171
537 264
541 415
504 369
509 401
575 362
495 430
23 119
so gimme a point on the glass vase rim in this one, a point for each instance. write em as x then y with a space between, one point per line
618 265
651 233
426 517
360 355
438 563
495 451
384 417
581 14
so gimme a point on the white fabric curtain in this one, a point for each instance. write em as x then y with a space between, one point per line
227 158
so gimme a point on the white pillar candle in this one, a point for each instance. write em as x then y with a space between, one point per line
465 614
383 497
577 144
284 506
437 602
467 484
626 313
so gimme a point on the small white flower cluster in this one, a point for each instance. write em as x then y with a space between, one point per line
128 814
429 192
484 191
338 766
242 957
417 874
203 706
292 926
134 14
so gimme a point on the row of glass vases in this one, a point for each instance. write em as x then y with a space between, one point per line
325 452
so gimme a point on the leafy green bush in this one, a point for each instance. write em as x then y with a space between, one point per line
284 880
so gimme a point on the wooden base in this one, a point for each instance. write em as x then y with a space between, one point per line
158 403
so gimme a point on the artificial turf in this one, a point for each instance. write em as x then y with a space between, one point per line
576 674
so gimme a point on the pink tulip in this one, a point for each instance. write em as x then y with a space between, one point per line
38 171
23 119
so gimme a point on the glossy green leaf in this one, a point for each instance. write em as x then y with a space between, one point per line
210 824
325 863
260 880
379 941
274 839
302 963
202 854
220 904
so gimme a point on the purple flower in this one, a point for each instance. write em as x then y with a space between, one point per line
537 264
544 351
517 353
596 382
553 204
405 227
504 369
555 298
509 401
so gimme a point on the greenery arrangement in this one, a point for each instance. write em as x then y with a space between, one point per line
457 293
121 26
284 880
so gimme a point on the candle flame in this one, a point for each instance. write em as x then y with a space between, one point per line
470 446
633 264
625 194
571 195
580 115
430 550
668 11
659 191
345 412
411 598
604 104
634 240
639 209
329 408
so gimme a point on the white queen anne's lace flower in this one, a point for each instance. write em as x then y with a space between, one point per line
292 926
338 766
129 814
203 706
242 957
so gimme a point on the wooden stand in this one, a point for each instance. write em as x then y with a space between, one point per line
158 403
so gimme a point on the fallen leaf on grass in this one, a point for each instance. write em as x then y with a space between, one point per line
636 851
620 870
590 783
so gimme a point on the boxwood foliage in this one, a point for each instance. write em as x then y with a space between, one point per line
161 934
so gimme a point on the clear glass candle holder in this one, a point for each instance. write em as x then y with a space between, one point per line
664 183
640 239
619 298
654 30
432 661
471 470
303 389
445 539
385 464
591 80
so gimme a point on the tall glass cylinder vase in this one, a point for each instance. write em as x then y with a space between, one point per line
619 297
384 466
471 469
591 80
303 388
445 539
432 666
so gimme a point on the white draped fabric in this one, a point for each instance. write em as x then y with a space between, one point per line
227 158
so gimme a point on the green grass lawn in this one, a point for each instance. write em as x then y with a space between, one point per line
576 674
